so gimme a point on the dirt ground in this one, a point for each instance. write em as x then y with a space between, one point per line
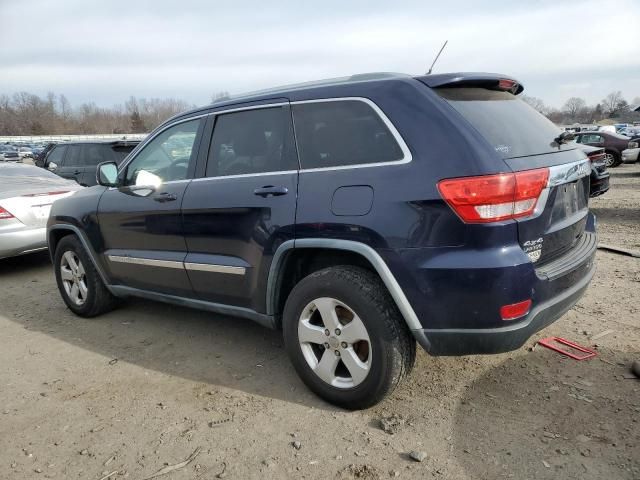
145 387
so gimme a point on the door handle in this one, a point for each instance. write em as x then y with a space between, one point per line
165 197
77 172
270 191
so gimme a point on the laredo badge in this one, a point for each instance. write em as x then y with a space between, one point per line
533 248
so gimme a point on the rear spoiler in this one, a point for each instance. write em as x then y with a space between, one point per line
490 81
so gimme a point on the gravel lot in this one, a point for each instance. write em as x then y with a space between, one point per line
148 385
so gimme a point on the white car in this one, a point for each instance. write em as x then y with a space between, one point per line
26 196
630 155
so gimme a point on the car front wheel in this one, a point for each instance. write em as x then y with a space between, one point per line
78 280
346 337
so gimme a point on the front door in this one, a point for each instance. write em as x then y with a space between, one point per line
243 206
140 221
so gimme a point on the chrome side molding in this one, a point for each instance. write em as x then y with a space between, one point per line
145 261
206 267
200 267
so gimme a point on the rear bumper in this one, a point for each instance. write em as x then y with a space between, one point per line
599 183
500 340
23 241
459 306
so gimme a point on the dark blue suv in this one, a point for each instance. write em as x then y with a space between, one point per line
358 215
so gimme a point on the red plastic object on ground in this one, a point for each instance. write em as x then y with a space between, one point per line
550 342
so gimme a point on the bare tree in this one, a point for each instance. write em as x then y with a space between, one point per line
610 102
536 103
220 96
573 106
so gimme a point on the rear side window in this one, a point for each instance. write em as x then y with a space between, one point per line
511 126
88 155
252 141
120 152
591 139
95 154
342 133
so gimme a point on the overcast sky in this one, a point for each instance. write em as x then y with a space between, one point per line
106 51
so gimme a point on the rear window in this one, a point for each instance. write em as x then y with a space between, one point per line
511 126
342 133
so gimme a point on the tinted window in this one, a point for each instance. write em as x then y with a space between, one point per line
56 155
591 139
340 133
120 152
511 126
165 158
253 141
74 154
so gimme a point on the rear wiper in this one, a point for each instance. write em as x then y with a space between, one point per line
564 137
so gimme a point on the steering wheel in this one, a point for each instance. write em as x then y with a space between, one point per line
177 170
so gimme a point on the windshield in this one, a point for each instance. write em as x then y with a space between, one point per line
511 126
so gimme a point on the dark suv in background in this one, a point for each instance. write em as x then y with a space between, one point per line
358 215
78 160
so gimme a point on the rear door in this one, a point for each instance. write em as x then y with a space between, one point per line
525 140
140 221
92 155
243 206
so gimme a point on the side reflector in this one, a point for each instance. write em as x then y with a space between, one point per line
515 310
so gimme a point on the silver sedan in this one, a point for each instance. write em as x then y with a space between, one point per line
26 196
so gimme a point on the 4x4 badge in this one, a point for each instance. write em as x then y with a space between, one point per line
533 249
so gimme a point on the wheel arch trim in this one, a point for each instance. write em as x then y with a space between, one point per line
376 261
87 246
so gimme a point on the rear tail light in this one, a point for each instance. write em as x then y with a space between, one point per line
5 214
515 310
507 85
596 157
492 198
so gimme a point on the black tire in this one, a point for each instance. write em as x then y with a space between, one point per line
617 159
393 348
98 300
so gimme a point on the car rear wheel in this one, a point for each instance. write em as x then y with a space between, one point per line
612 160
78 281
346 337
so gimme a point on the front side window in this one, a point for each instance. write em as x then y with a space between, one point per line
56 155
250 142
166 158
342 133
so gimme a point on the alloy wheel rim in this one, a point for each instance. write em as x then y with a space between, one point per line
608 159
74 278
335 343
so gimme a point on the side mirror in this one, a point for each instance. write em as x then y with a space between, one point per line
107 174
52 167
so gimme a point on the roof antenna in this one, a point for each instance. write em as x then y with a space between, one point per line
437 56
